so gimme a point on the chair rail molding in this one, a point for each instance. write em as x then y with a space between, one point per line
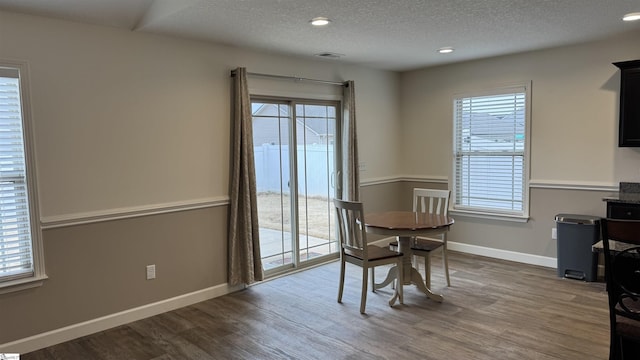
52 222
405 178
533 183
572 185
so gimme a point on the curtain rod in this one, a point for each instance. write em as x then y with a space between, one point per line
295 78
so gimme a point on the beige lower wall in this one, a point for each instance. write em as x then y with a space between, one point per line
381 197
99 269
534 236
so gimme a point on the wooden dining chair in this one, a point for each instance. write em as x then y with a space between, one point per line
431 201
355 250
621 243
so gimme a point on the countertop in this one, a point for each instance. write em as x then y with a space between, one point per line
623 197
629 194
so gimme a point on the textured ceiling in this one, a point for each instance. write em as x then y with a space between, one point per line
385 34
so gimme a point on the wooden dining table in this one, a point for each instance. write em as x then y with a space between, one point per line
406 225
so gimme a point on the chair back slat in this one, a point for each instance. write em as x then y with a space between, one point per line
431 201
351 225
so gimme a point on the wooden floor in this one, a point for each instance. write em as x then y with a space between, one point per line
493 310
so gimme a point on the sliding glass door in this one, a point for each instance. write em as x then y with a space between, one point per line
295 147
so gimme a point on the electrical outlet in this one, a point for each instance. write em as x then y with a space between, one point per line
151 272
554 233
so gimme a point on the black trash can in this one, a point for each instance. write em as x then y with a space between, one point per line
576 235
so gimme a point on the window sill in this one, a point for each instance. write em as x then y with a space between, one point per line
22 284
490 216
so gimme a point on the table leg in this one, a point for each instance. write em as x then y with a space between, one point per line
411 275
394 298
416 279
391 275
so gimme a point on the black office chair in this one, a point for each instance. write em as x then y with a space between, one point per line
621 243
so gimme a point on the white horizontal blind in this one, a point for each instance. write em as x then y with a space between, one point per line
16 255
489 152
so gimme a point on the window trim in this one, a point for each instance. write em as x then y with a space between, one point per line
495 215
39 275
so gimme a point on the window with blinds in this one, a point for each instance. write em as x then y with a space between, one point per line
16 246
490 152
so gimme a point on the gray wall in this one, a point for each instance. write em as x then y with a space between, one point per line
128 122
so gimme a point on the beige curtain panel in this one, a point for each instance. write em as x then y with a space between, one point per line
350 163
245 265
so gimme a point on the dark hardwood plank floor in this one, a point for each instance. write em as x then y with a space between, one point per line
493 310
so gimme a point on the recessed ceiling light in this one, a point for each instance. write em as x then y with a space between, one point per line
445 50
320 21
631 16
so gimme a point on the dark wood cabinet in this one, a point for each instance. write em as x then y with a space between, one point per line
618 210
629 126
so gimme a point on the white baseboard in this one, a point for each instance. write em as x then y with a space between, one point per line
504 254
491 252
74 331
